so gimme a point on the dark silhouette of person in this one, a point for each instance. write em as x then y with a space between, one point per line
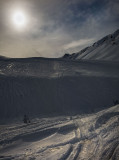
25 119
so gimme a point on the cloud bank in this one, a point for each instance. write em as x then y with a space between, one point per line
56 27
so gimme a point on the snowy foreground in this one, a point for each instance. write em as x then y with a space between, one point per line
92 136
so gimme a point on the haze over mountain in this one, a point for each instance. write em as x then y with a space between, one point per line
106 49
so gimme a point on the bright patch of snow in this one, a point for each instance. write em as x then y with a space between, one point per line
93 136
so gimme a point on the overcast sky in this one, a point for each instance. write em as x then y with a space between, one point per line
55 27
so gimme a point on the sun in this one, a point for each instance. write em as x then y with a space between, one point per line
19 19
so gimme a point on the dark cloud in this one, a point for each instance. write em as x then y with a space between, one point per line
56 26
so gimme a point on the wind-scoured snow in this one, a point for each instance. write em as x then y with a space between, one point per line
106 49
37 86
91 136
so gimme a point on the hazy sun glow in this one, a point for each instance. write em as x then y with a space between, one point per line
19 19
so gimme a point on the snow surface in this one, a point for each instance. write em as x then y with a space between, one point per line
88 136
38 86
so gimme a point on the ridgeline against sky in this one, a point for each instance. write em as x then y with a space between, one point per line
50 28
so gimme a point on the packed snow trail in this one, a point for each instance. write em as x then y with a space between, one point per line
92 136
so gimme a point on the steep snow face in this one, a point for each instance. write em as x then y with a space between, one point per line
53 86
91 136
105 49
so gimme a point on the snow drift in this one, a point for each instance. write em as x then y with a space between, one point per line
92 136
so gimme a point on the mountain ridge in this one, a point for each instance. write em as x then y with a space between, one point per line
106 48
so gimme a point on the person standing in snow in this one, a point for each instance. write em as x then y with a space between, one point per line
25 119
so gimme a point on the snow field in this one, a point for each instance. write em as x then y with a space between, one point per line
91 136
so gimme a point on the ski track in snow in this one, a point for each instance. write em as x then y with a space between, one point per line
84 137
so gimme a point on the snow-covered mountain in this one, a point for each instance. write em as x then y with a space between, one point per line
106 49
62 99
59 86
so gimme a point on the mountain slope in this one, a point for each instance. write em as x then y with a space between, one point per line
105 49
54 86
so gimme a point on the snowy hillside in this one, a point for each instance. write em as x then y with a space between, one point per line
67 102
105 49
39 86
93 136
